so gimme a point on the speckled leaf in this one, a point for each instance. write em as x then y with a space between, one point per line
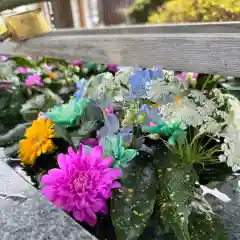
203 223
132 206
202 227
176 184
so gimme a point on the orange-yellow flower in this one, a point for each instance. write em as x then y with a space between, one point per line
38 140
52 75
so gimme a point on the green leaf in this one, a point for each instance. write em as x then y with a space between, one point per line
61 132
14 135
53 60
90 121
132 206
176 184
33 106
23 62
203 223
84 131
202 227
114 146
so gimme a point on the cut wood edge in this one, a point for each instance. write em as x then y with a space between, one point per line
202 53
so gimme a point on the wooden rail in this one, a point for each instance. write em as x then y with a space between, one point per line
205 48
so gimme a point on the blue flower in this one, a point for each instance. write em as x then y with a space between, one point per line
140 78
81 86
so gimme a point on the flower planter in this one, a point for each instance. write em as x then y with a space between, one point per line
132 155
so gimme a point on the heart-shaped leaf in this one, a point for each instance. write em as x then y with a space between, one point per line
177 186
132 206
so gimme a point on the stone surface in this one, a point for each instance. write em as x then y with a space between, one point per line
229 212
26 215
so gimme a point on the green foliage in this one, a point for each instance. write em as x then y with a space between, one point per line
176 11
62 133
141 9
176 184
180 202
132 206
10 103
132 118
202 227
114 146
39 103
197 150
23 62
68 114
53 60
14 135
91 118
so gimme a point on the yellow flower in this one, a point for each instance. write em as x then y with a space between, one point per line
38 140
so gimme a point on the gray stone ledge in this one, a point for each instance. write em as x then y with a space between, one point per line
26 215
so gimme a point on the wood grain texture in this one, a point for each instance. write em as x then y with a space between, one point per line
212 27
215 53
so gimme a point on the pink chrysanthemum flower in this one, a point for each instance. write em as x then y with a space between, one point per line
82 184
34 80
77 63
23 70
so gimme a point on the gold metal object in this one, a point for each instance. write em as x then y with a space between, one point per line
27 25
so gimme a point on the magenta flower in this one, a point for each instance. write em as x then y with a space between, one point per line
77 63
33 80
108 110
82 184
23 70
112 67
187 75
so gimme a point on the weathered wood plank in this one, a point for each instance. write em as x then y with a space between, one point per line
204 53
211 27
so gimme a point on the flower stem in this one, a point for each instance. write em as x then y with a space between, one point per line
134 137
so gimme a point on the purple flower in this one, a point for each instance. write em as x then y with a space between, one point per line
82 184
92 142
186 75
77 63
33 80
140 78
112 67
3 58
23 70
